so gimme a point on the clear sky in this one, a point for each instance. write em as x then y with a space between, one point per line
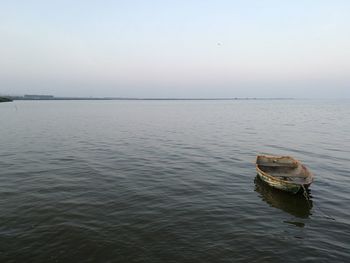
178 48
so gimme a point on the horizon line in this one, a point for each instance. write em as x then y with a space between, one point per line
51 97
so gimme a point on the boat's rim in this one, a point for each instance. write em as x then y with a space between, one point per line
310 176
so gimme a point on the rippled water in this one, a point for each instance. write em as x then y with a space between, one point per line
171 181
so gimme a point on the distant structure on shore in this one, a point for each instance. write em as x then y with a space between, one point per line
38 97
5 99
33 97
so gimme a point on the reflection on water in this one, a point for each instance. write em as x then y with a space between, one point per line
295 223
296 205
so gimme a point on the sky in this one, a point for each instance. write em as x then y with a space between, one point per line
178 48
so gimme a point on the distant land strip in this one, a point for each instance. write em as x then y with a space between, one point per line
5 99
50 97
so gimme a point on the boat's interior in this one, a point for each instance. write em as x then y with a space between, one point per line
285 168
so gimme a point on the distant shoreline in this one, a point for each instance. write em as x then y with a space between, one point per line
5 99
47 97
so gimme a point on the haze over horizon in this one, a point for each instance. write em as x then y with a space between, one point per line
179 49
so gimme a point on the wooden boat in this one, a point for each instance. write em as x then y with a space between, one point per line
283 172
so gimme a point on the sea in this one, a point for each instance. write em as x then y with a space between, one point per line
171 181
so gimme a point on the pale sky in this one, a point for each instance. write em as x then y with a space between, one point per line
179 48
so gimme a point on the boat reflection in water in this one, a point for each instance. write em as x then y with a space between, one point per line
294 204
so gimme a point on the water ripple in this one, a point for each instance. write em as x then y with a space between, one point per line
171 182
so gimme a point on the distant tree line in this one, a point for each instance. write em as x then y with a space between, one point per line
4 99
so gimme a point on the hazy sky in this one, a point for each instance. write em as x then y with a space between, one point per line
178 48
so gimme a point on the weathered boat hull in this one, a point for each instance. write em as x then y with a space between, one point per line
281 184
288 187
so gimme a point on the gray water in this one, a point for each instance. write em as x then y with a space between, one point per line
171 181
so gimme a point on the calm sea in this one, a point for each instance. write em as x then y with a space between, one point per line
171 181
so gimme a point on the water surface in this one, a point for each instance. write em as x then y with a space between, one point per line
170 181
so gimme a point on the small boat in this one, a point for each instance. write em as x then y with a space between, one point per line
283 172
